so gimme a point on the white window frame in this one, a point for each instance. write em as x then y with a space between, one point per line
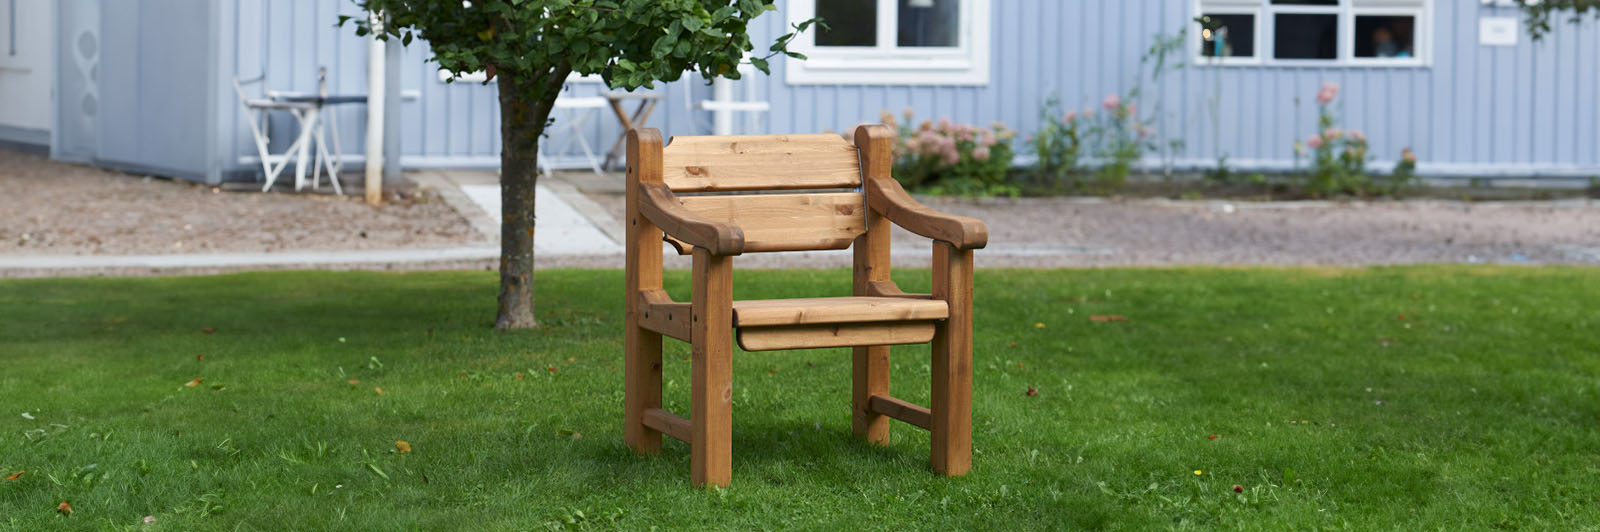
889 64
1266 31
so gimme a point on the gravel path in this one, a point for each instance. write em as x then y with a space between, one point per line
1077 232
54 208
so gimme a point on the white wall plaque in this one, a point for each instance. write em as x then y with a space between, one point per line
1497 31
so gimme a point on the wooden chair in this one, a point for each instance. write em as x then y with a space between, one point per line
715 228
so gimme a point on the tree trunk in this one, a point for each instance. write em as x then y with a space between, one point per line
522 120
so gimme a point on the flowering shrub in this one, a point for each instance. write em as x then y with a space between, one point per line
1339 157
1058 143
951 158
1120 139
1404 175
1116 136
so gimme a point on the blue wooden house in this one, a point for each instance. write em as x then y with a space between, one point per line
147 85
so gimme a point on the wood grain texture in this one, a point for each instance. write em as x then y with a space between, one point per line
901 410
828 310
869 364
641 346
760 162
659 313
951 397
786 222
659 205
668 423
711 376
886 196
834 335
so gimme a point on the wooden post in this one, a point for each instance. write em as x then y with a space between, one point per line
951 406
711 395
642 347
869 366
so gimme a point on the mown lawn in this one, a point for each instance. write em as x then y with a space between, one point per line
1393 398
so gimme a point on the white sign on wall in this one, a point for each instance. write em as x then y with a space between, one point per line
1497 31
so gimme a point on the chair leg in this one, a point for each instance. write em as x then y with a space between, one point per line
642 369
869 377
951 406
711 395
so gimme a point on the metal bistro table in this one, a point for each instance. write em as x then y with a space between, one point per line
641 114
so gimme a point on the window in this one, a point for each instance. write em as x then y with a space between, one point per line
892 42
1314 32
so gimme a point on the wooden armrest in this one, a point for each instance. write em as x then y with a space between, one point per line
889 199
659 205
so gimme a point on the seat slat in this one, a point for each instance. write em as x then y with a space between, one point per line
760 162
822 310
835 335
787 222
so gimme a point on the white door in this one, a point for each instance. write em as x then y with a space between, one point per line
27 71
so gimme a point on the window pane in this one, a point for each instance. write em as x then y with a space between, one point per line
1305 2
929 23
1306 36
1385 36
1228 35
850 23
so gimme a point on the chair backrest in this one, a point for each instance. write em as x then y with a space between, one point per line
801 221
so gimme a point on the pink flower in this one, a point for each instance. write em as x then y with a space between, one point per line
1143 131
1112 102
1088 113
998 125
980 153
1314 142
1356 135
1072 116
944 124
925 126
951 157
1133 109
908 113
1328 92
1407 156
1332 134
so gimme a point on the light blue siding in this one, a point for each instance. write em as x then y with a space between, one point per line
1532 109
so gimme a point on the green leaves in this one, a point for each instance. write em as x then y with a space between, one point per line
629 43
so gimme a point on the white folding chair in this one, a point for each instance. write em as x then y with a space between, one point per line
307 112
578 112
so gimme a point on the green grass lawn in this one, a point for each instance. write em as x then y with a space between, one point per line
1393 398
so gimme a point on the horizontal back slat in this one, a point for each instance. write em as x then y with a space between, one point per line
760 162
787 222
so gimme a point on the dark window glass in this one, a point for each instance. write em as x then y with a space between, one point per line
929 23
1228 35
1383 36
1305 36
1305 2
850 23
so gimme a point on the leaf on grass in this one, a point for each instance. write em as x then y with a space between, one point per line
199 357
1238 489
27 416
17 474
193 383
64 508
1032 392
519 376
551 369
570 433
572 359
1108 317
379 390
218 387
353 382
1039 325
209 330
402 446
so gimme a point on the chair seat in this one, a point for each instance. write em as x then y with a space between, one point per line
825 310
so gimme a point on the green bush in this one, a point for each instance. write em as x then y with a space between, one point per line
952 158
